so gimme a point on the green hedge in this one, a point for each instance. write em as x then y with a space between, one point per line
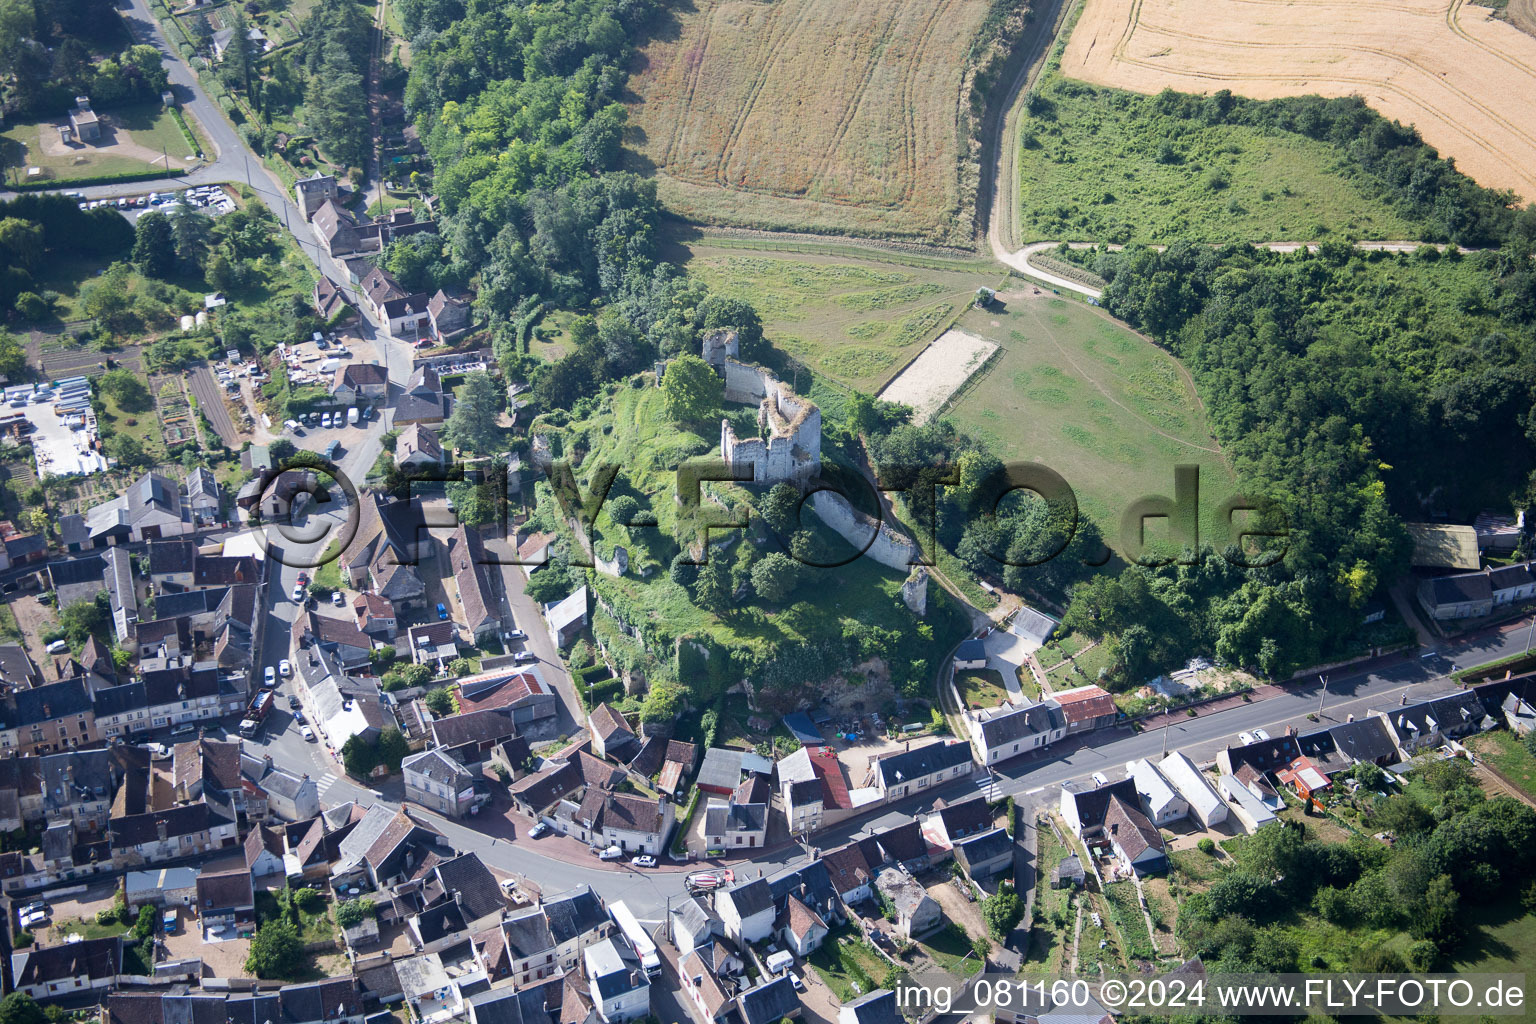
99 179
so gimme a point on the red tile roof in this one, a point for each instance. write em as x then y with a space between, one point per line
1084 703
833 785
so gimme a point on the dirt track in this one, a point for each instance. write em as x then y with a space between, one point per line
1462 77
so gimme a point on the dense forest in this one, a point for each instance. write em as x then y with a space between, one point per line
52 51
1356 389
519 108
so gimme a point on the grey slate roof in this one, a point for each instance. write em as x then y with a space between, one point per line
769 1002
912 765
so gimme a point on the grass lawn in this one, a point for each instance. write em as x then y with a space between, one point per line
1499 939
1092 168
858 321
143 426
950 948
1505 752
134 141
1105 408
845 959
981 687
328 574
85 929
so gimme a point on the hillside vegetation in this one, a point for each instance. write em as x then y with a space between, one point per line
708 627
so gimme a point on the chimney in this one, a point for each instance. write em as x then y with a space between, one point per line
268 759
161 830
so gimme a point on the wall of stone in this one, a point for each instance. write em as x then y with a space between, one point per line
889 547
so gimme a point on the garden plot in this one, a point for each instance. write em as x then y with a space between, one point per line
939 372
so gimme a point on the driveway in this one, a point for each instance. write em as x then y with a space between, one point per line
1006 653
210 398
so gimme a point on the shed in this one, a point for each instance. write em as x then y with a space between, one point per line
161 886
803 729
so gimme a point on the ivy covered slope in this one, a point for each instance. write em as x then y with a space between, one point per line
752 612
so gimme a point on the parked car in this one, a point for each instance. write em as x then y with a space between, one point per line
1245 738
325 421
611 853
307 733
284 669
271 677
795 982
1260 735
337 599
523 657
442 611
185 729
298 593
35 907
516 634
1100 779
298 716
29 920
644 860
293 702
303 579
539 829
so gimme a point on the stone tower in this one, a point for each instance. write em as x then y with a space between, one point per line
914 592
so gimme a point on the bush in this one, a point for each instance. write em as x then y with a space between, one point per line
1207 846
96 179
308 899
23 939
354 912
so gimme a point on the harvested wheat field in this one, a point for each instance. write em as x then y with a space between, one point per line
812 115
1464 79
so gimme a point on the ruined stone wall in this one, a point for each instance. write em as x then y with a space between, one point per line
889 547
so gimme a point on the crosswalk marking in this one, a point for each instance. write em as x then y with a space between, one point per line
325 782
990 789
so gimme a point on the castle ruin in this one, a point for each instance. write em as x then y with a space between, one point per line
789 450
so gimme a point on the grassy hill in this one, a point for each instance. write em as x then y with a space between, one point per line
834 619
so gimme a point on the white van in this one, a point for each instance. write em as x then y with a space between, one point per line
352 416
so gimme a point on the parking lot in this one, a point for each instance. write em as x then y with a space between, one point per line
210 199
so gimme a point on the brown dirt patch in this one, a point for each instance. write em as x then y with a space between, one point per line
1459 75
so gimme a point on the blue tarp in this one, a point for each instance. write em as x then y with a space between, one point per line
803 729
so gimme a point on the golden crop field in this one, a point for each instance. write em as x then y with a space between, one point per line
1463 78
812 115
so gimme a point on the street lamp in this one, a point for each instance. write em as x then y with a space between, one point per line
1323 696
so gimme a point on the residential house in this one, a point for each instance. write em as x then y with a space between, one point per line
339 638
635 824
769 1002
746 911
1265 755
466 557
330 302
286 795
971 654
312 192
390 541
418 447
982 856
577 918
1429 723
264 852
951 823
422 400
58 716
619 988
802 929
434 643
151 507
915 770
1010 730
122 595
1205 804
204 497
375 616
226 902
179 831
712 1004
437 781
917 913
877 1007
612 736
359 383
54 972
471 736
692 925
1085 708
852 869
1250 811
732 826
1109 818
1163 802
448 315
567 618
